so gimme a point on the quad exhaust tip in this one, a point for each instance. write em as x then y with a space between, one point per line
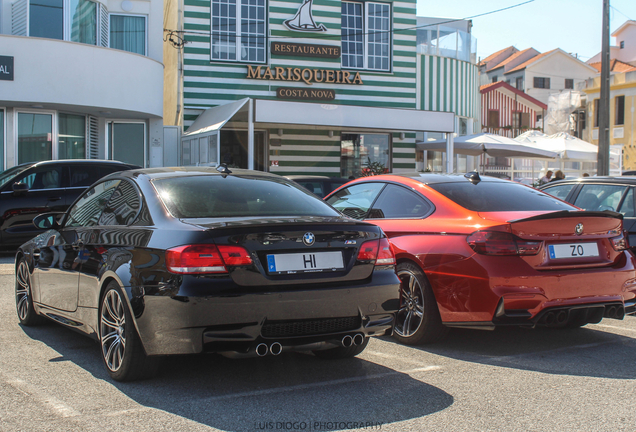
275 348
348 340
261 350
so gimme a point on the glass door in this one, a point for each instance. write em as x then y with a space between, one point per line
127 142
35 137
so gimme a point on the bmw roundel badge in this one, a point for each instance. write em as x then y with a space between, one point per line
578 229
309 239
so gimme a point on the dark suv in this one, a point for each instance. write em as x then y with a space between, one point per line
598 194
32 188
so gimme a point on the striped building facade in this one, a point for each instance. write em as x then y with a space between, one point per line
507 111
382 98
448 84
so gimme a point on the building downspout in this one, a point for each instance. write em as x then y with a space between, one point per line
179 114
250 134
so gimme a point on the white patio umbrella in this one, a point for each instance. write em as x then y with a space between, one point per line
565 145
494 145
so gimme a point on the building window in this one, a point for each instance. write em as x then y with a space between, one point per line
84 21
596 112
358 151
622 44
569 83
520 120
128 33
543 83
47 19
519 83
71 136
619 110
227 43
376 37
493 119
494 78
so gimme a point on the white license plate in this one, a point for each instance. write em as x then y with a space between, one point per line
305 262
573 250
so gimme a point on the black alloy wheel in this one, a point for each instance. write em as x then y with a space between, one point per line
418 320
121 348
23 297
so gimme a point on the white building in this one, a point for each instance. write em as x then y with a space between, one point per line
538 75
81 79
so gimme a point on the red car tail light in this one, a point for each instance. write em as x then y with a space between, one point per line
379 251
386 256
501 243
235 255
620 243
202 259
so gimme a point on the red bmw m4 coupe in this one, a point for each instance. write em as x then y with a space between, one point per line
480 252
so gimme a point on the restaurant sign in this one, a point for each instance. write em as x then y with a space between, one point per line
305 94
6 68
307 50
309 76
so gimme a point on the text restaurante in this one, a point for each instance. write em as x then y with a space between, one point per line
306 75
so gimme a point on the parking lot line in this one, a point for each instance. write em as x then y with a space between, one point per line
393 357
55 405
319 384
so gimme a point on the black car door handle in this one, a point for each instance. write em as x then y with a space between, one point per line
55 198
78 245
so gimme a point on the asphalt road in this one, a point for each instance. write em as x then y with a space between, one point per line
52 379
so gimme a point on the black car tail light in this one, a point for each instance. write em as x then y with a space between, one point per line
202 259
380 251
501 243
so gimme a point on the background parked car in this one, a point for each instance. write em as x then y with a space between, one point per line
29 189
320 186
186 260
599 194
480 252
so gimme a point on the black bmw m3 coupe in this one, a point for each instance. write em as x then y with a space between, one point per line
154 262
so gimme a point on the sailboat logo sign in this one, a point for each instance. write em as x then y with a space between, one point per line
303 20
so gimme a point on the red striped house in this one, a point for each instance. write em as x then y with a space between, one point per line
507 111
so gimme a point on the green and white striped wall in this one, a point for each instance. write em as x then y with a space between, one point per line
449 85
209 84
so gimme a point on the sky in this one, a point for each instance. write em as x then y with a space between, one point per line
572 25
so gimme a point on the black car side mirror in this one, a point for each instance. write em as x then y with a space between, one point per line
47 221
20 188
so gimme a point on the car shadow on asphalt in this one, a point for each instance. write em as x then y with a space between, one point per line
586 351
290 391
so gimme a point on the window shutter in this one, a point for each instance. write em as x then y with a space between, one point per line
20 18
103 26
93 138
547 83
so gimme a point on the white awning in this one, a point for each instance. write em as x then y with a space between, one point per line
215 118
345 116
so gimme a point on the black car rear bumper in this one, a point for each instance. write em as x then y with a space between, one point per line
313 316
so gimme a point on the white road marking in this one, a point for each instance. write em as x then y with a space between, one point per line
393 357
319 384
58 407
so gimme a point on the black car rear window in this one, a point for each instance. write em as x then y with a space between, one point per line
232 196
498 196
